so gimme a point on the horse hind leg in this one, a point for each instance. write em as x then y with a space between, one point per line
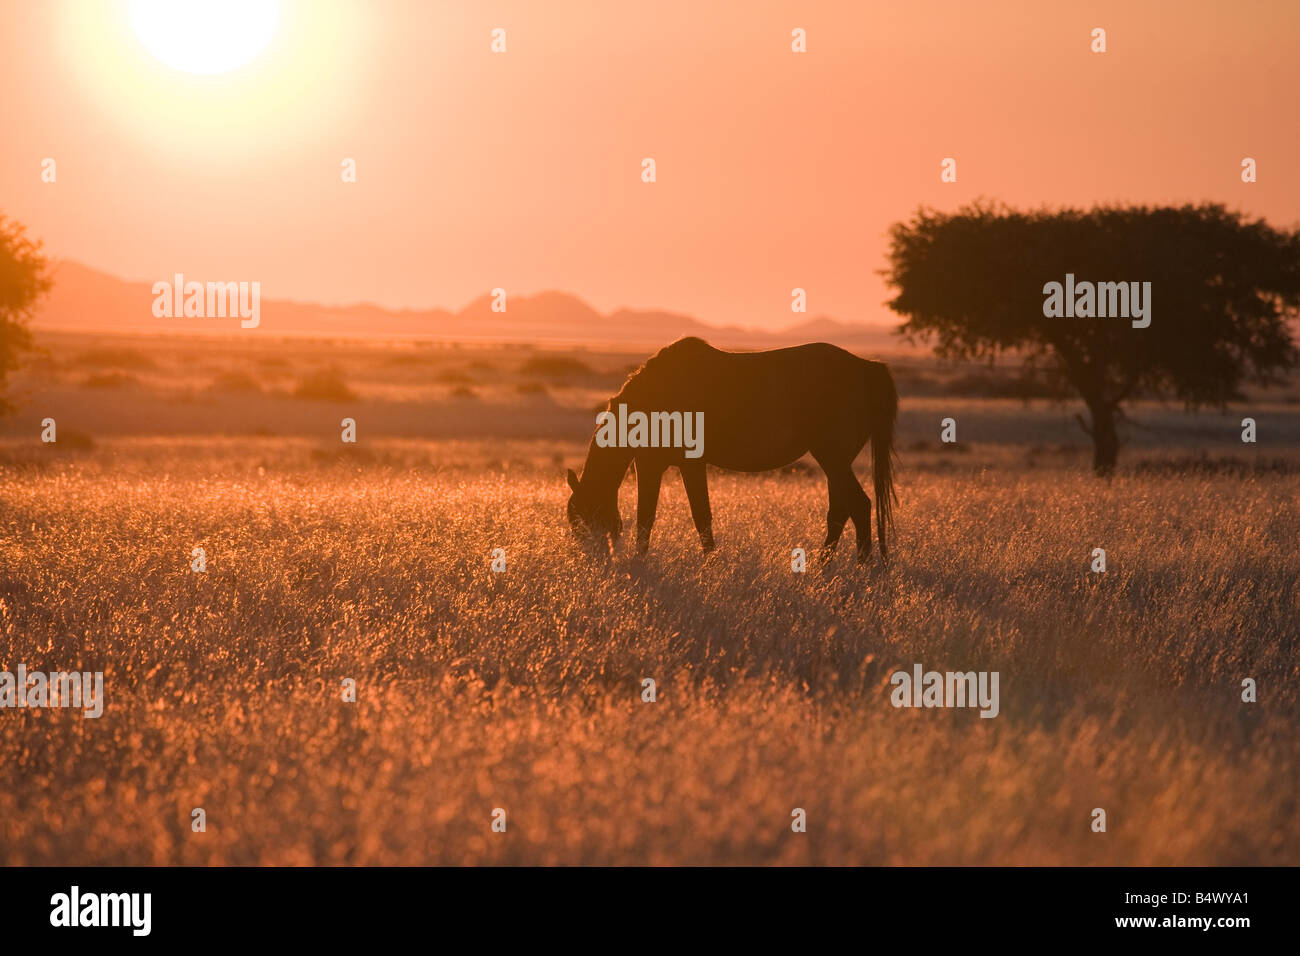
860 511
835 521
695 478
847 500
836 516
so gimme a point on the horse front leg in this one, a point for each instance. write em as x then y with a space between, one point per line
648 478
696 479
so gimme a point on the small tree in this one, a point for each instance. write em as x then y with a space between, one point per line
23 280
1223 292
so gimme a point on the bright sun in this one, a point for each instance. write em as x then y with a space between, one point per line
205 36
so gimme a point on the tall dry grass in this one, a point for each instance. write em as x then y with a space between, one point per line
522 690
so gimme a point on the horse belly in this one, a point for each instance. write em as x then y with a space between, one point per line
754 447
757 462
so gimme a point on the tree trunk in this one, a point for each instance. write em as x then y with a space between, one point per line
1105 440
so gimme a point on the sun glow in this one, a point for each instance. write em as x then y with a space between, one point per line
293 71
205 36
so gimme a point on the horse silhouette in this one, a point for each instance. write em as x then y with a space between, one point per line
760 410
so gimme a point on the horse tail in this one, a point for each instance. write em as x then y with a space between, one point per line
882 411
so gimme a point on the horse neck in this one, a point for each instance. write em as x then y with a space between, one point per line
605 467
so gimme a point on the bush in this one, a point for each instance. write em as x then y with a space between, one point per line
110 380
453 377
235 382
326 385
556 366
116 358
72 439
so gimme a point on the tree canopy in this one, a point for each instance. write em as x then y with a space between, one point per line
23 280
1224 292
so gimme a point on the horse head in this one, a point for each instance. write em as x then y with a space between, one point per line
593 515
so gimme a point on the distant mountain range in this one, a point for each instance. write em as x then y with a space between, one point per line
85 299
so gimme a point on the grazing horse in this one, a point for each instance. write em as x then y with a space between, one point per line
760 410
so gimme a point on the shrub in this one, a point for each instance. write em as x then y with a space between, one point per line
110 380
556 366
235 382
326 385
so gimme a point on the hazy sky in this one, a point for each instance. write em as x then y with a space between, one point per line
523 169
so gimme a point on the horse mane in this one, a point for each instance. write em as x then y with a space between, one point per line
671 352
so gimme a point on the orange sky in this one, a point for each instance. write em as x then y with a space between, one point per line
522 170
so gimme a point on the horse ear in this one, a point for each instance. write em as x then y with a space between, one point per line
573 480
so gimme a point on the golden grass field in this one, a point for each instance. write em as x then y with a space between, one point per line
522 690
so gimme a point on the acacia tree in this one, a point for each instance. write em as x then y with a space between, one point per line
1224 292
23 280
